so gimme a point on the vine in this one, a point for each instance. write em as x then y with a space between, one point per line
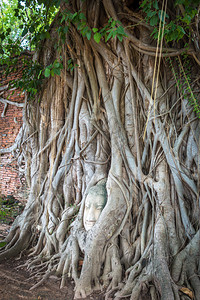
178 29
184 81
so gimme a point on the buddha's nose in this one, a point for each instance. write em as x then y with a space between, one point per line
91 215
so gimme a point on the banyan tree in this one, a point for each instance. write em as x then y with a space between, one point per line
114 133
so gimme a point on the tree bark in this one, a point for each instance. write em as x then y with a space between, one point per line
106 119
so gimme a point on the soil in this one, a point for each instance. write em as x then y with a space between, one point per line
14 285
15 282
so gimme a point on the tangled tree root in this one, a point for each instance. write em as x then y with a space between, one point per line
88 127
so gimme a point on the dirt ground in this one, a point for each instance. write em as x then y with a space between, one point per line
15 284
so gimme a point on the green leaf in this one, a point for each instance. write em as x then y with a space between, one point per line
88 34
97 37
52 73
120 37
47 72
109 36
82 16
120 30
70 67
154 20
80 26
114 33
16 12
43 35
95 29
39 74
9 30
155 33
104 29
32 29
57 3
2 36
74 15
173 36
57 71
179 2
85 30
143 3
113 24
151 13
181 29
56 65
155 4
24 32
66 28
47 35
33 91
2 244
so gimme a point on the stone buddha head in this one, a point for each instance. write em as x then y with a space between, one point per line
94 204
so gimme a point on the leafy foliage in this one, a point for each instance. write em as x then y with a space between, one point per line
113 29
184 82
53 69
10 208
31 73
180 27
9 34
24 24
79 19
177 27
32 20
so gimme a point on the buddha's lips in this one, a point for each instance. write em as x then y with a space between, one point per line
90 223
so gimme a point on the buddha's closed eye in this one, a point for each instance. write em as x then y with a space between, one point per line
100 208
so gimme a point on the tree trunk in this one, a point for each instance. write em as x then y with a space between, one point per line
118 117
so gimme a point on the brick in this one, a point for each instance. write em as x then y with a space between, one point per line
9 179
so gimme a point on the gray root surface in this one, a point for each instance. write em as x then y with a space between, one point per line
89 126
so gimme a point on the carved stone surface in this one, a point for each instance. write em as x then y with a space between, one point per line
94 204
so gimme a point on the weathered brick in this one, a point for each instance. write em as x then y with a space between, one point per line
10 184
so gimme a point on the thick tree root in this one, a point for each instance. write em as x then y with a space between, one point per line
115 115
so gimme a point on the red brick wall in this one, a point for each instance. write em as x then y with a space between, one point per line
10 124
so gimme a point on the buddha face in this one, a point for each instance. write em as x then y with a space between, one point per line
94 205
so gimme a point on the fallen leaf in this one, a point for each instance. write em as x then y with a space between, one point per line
187 292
